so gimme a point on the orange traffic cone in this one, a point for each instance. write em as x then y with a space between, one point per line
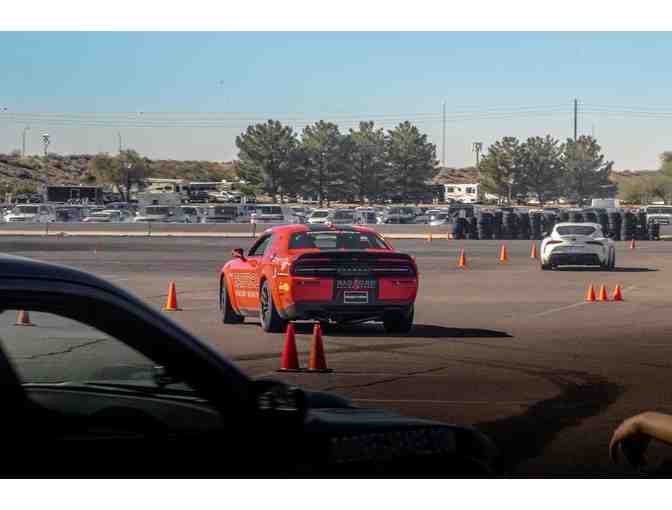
603 294
617 294
290 358
533 255
171 302
632 244
591 293
317 361
462 261
23 319
503 255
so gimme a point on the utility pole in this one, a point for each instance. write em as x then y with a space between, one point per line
23 141
576 117
119 137
443 144
478 147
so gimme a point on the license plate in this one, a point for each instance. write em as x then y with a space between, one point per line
355 297
575 249
356 284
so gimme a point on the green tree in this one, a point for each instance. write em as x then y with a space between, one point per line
411 161
638 189
367 157
666 163
120 171
541 168
500 168
295 178
325 150
264 154
585 169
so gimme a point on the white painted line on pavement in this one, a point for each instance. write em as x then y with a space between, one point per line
553 310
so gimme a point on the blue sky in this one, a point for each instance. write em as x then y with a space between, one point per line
494 85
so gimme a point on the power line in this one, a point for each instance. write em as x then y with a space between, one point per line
68 120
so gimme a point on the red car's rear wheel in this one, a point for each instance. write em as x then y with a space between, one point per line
399 322
268 314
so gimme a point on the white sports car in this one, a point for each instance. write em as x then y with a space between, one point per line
577 244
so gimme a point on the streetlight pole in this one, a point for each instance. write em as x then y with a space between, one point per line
23 141
46 140
443 142
477 148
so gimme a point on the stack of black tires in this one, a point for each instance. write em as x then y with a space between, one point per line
497 224
537 225
485 225
461 229
654 231
524 226
510 225
603 220
628 226
642 230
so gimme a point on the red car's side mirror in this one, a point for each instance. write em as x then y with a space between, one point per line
237 253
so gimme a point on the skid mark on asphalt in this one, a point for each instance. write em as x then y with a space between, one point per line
447 402
64 351
398 377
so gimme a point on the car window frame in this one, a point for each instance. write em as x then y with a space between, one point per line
267 238
133 323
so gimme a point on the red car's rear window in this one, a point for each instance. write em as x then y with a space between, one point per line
336 240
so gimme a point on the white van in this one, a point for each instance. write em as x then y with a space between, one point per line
275 214
659 214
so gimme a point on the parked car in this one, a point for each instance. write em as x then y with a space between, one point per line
275 213
321 216
398 215
107 216
160 214
31 213
343 217
192 214
659 214
70 214
223 214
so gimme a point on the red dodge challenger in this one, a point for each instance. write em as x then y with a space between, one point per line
318 272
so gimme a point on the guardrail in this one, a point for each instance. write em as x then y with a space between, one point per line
185 230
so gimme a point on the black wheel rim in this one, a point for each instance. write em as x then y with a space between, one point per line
264 304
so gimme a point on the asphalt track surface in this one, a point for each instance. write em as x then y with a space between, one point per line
505 347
